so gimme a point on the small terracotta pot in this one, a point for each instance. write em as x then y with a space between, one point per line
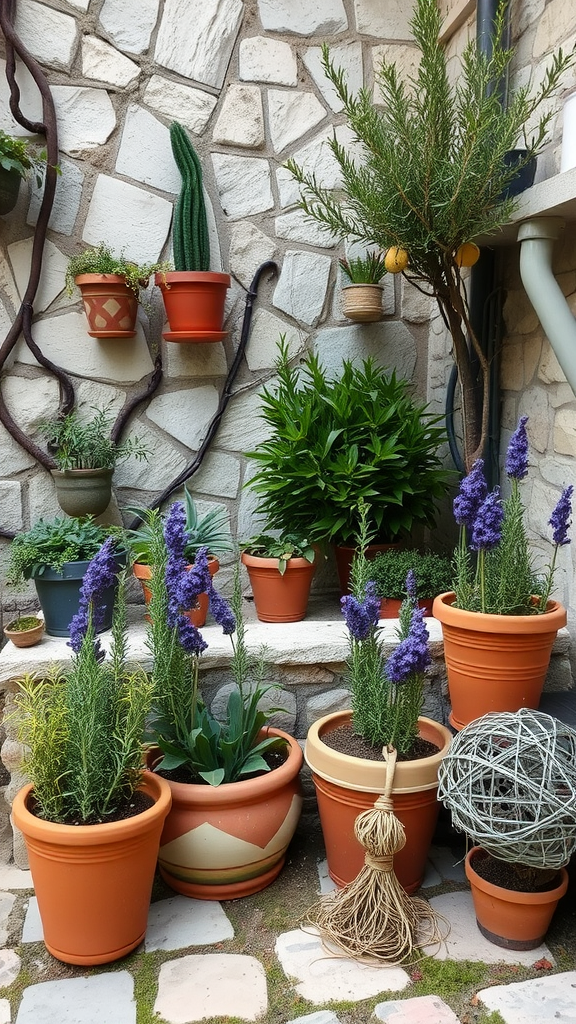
495 662
345 554
514 920
93 882
362 302
110 305
196 615
194 303
279 598
25 637
222 842
83 492
346 785
390 607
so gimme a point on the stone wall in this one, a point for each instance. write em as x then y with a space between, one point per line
245 80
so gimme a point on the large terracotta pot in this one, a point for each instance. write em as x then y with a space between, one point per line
194 303
110 305
83 492
515 920
495 662
362 302
93 882
346 785
196 615
277 597
222 842
344 556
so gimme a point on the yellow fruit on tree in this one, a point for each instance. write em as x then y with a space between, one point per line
396 260
467 255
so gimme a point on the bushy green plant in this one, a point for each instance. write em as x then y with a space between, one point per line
210 531
49 544
283 548
101 260
88 445
335 440
82 728
188 735
433 173
24 622
17 155
368 269
433 573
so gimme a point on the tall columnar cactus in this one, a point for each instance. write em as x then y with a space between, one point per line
190 240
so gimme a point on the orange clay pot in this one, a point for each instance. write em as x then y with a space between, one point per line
222 842
344 556
390 607
279 598
346 785
93 882
110 305
196 615
515 920
194 302
495 662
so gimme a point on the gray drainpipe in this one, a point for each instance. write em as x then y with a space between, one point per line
537 239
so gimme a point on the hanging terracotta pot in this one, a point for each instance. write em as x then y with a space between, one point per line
344 555
28 637
9 189
83 492
514 920
347 785
279 597
93 882
194 302
362 302
495 662
110 305
196 615
222 842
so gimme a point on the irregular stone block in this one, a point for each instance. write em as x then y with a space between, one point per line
326 17
66 200
85 117
191 107
389 21
173 413
301 290
211 985
243 184
296 226
126 31
50 35
390 344
196 38
262 59
54 264
106 998
241 119
292 115
348 57
103 63
120 211
249 248
326 703
11 515
145 153
262 352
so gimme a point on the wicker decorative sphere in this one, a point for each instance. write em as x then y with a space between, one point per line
509 780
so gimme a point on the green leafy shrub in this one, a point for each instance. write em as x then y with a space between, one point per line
49 544
17 155
283 548
101 260
433 573
88 445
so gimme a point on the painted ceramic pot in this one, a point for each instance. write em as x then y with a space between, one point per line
110 305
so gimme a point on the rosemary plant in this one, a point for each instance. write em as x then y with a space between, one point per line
88 445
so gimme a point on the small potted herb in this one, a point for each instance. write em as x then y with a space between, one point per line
110 287
55 554
86 456
91 816
432 572
25 631
363 294
17 159
210 531
280 571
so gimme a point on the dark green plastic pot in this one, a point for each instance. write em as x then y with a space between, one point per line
59 596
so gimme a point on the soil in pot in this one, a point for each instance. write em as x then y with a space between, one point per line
516 877
346 741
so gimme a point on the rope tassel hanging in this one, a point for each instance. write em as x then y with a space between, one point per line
373 917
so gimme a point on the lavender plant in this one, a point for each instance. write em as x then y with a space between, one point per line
190 737
495 571
386 696
83 727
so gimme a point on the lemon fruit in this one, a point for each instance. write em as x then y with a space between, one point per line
396 260
467 255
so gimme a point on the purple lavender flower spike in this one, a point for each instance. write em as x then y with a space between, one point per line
361 616
412 656
561 520
222 611
473 490
411 586
195 581
487 528
190 637
99 576
175 530
517 454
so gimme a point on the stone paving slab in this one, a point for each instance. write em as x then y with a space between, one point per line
5 1017
420 1010
323 977
101 999
320 1017
539 1001
449 867
179 922
465 940
10 964
32 930
7 901
13 877
210 985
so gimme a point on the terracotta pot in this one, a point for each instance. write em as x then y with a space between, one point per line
25 637
390 607
110 305
362 302
83 492
196 615
346 785
279 598
194 303
515 920
93 882
495 662
222 842
9 189
345 554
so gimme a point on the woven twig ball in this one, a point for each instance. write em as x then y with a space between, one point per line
510 781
